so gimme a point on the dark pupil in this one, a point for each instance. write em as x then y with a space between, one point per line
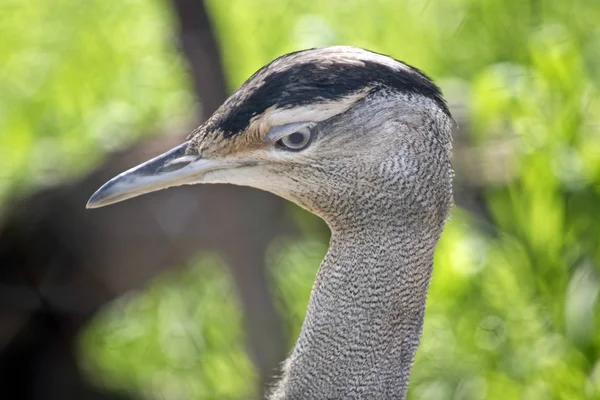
296 138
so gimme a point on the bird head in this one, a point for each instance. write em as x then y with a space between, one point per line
328 128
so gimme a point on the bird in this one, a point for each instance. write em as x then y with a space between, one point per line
364 141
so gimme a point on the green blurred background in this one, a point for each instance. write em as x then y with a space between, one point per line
513 306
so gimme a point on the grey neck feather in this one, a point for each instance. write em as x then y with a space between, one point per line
366 310
364 318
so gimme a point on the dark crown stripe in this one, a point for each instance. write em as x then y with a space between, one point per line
313 82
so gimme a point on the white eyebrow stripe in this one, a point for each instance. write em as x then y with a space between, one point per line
311 112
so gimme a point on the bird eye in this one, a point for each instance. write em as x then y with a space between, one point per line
296 141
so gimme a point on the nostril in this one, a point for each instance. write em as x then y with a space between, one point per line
177 163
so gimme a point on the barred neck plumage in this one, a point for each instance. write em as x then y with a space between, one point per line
365 315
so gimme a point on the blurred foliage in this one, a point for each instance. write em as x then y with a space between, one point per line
79 78
513 309
180 337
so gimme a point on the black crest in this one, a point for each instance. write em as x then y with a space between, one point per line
310 76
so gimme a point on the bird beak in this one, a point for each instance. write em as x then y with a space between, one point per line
173 168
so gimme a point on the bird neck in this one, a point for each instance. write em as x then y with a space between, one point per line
365 315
